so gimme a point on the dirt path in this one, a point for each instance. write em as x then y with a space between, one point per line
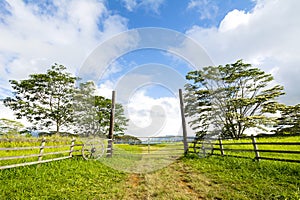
177 181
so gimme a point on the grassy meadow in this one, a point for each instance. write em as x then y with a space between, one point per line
188 177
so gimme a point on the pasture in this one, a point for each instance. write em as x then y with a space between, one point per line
187 177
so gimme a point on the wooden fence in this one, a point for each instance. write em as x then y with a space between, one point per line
159 146
66 153
253 149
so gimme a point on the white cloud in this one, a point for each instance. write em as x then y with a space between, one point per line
105 89
33 39
234 19
153 116
268 37
148 116
35 35
154 5
207 9
6 113
130 5
148 5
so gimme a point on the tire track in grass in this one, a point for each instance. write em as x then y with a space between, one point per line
176 181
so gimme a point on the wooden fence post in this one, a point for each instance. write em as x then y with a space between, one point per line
221 147
255 148
42 149
111 126
184 132
148 145
72 147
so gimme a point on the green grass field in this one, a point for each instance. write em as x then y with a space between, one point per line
189 177
68 179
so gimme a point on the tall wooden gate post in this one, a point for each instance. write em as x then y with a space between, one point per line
111 126
185 143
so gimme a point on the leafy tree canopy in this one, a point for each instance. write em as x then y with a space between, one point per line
127 139
10 127
44 99
52 100
289 122
232 98
92 112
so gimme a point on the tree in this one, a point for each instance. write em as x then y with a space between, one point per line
84 120
232 98
103 111
126 139
10 127
121 122
92 112
44 99
289 122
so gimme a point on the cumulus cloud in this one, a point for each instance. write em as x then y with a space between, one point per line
105 89
267 37
35 35
153 116
233 20
148 115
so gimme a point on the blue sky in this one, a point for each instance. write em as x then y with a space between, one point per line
36 34
177 14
